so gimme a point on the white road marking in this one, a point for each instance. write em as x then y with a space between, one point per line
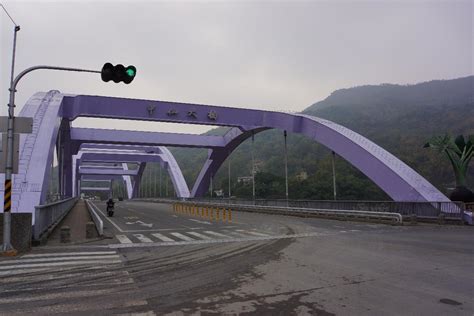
217 234
216 241
123 239
161 237
234 233
70 254
59 259
198 221
141 223
142 238
199 235
107 218
58 264
252 233
182 237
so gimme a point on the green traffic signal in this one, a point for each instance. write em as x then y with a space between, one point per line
118 73
130 72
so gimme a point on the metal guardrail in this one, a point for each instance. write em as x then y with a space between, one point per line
49 215
429 210
99 224
293 211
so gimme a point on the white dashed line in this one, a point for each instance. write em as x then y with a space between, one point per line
161 237
123 239
142 238
182 237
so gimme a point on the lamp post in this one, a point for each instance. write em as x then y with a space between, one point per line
286 169
7 248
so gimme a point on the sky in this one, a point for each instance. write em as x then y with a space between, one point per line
269 55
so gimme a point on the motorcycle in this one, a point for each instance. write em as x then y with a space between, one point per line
110 208
110 211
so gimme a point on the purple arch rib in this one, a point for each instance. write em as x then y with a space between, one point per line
393 176
160 154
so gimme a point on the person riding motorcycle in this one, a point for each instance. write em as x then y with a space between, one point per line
110 207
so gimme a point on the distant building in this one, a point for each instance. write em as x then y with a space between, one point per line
244 180
302 176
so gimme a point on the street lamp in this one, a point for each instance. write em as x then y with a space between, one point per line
126 77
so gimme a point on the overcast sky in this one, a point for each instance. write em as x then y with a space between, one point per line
253 54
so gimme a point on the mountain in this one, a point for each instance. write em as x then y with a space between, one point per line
400 118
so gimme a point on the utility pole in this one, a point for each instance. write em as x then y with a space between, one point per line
253 170
211 186
160 180
334 175
229 176
7 248
286 169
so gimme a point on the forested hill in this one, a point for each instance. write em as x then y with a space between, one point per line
400 118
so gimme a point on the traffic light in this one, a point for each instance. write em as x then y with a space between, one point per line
118 73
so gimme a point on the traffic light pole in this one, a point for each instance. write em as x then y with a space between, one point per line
7 248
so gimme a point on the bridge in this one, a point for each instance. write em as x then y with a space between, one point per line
54 112
193 254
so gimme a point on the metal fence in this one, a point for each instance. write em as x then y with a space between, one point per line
48 215
451 210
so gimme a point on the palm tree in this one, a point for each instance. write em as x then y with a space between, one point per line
459 152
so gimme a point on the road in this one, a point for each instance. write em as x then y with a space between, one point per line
159 262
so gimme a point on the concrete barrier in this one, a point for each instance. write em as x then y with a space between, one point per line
99 224
21 231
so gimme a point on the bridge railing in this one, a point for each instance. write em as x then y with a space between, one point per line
422 210
49 215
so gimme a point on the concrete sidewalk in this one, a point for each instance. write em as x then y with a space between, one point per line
77 219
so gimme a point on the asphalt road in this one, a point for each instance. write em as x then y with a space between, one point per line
152 263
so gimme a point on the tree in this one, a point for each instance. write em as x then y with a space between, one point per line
459 152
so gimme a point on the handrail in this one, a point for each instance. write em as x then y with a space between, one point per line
54 203
47 216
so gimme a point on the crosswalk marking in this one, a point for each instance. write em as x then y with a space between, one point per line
252 233
57 264
51 259
199 235
189 236
182 237
123 239
142 238
216 234
161 237
36 263
58 254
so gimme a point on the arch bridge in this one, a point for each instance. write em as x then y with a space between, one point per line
53 113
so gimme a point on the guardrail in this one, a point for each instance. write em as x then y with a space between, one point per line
422 210
394 218
49 215
99 224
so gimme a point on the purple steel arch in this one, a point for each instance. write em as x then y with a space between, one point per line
393 176
160 154
53 112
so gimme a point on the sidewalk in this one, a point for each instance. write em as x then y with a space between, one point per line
76 220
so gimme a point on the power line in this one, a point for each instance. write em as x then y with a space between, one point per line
4 9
